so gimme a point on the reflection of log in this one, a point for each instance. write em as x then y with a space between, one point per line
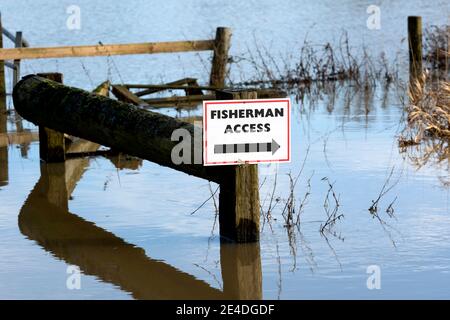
241 271
111 123
123 161
4 177
96 251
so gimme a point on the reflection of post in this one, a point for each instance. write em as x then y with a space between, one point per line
2 70
241 270
54 188
4 149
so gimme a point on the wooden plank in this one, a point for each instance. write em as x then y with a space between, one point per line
156 88
106 50
103 89
262 93
125 95
179 99
189 85
153 88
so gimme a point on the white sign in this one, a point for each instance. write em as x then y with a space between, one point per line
246 131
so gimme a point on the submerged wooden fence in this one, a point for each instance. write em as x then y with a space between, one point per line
141 133
220 47
19 42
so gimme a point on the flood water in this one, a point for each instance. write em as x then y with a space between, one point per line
128 224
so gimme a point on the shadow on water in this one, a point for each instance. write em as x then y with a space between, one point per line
45 218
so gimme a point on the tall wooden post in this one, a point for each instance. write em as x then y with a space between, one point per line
239 210
2 72
18 44
220 58
415 47
51 142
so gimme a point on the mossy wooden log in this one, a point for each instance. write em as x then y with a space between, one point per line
112 123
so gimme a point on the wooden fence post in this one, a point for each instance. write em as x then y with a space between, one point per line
51 142
239 210
220 58
18 44
415 47
2 72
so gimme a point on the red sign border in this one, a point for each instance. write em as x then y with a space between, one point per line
205 127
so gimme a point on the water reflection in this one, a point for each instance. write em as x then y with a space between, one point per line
45 218
3 149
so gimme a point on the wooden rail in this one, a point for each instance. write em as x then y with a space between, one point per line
220 46
105 50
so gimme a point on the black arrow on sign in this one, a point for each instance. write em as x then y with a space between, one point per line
247 147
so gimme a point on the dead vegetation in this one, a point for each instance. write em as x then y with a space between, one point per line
436 46
313 63
427 133
331 206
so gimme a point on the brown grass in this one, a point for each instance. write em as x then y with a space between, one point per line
437 46
428 111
